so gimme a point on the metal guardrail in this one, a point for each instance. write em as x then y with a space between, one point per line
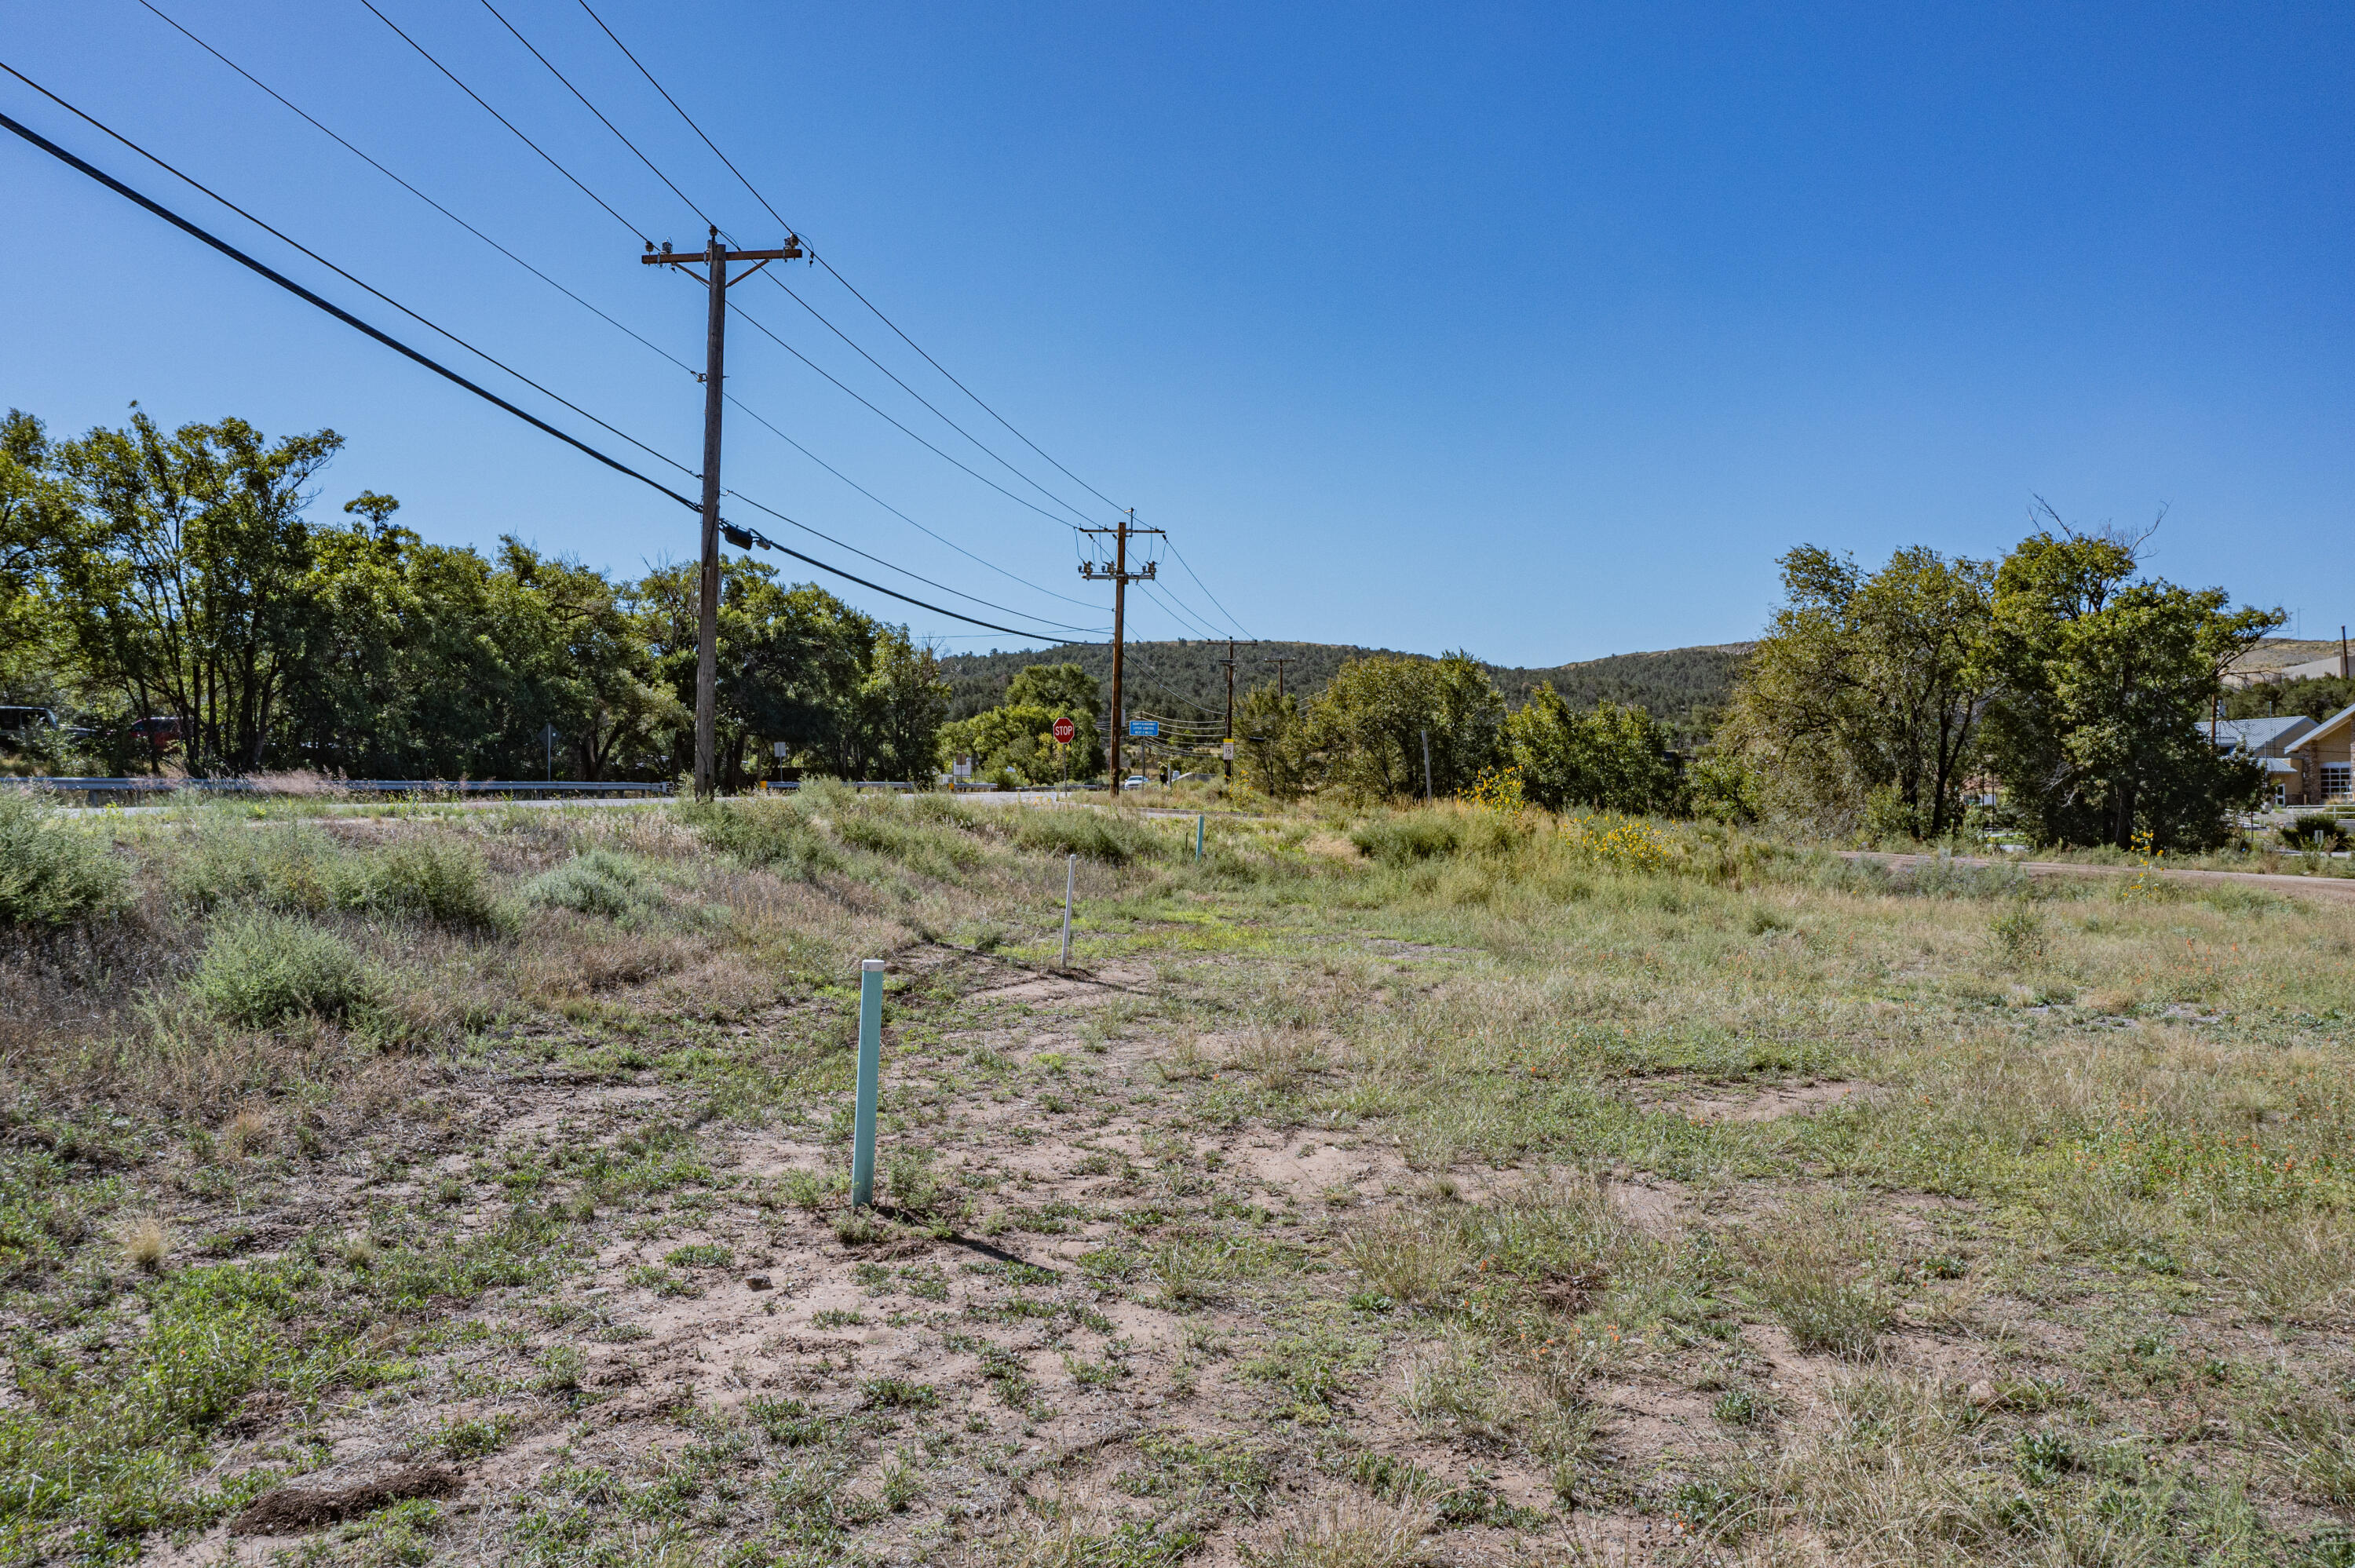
115 792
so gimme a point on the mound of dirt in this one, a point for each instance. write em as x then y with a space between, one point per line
289 1511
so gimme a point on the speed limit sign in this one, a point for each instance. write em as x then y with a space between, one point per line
1065 730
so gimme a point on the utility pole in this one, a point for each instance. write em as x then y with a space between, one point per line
1120 577
1279 663
1226 740
715 259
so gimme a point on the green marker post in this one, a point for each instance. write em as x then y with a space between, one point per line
1200 819
870 1074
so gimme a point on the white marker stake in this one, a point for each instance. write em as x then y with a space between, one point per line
1070 880
871 1072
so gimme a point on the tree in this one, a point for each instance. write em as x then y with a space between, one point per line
1271 735
36 516
1370 725
902 703
2105 685
1865 684
1617 758
185 589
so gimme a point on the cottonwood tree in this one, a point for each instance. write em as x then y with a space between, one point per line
1616 759
1865 684
2102 686
1369 727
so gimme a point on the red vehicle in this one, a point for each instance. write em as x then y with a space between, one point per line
161 732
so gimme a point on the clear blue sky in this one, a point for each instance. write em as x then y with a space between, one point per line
1539 331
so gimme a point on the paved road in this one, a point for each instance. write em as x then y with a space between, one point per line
2328 887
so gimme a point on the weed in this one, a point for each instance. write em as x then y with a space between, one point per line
838 1318
468 1437
597 882
700 1255
260 969
897 1394
1355 1531
54 873
1799 1268
146 1244
2018 936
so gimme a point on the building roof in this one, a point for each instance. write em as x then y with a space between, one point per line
2256 734
2324 727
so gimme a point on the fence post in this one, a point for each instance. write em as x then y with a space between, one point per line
871 1072
1199 818
1070 879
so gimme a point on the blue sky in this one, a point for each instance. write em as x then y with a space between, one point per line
1539 331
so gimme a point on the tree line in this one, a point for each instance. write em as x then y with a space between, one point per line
2060 678
180 575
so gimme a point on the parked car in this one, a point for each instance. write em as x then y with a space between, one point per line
1133 782
161 732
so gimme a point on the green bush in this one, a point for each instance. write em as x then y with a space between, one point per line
2300 834
53 874
777 835
1403 838
597 882
260 969
1096 836
425 878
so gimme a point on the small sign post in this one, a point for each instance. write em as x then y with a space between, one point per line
871 1072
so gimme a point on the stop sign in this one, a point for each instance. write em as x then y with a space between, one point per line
1065 730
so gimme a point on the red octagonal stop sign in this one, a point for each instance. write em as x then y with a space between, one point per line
1065 730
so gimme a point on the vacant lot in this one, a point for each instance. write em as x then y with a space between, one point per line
1442 1187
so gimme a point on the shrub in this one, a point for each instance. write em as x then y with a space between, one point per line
429 879
1403 838
1096 836
53 874
262 970
777 835
2018 935
597 882
2301 833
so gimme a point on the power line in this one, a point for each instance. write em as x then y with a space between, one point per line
755 415
904 571
341 314
331 308
1206 591
762 329
640 153
829 266
421 196
585 304
388 298
503 120
600 113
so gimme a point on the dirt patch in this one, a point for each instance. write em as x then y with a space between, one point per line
290 1510
1785 1099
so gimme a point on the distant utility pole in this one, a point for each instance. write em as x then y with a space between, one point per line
1120 577
1226 740
1279 665
715 259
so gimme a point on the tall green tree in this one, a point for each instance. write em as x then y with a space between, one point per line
1867 682
1616 759
1370 725
188 588
2104 686
1272 741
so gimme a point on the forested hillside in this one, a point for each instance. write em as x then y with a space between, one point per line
1683 687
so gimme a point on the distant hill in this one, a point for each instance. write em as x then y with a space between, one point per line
1683 687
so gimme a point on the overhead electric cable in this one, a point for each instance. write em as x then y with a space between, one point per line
838 277
1188 622
902 571
1206 591
341 314
503 120
755 415
420 195
762 327
705 218
423 320
600 113
750 412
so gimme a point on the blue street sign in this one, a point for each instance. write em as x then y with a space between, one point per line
1151 728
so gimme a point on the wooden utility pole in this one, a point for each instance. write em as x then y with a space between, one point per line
1120 577
715 259
1279 665
1227 741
